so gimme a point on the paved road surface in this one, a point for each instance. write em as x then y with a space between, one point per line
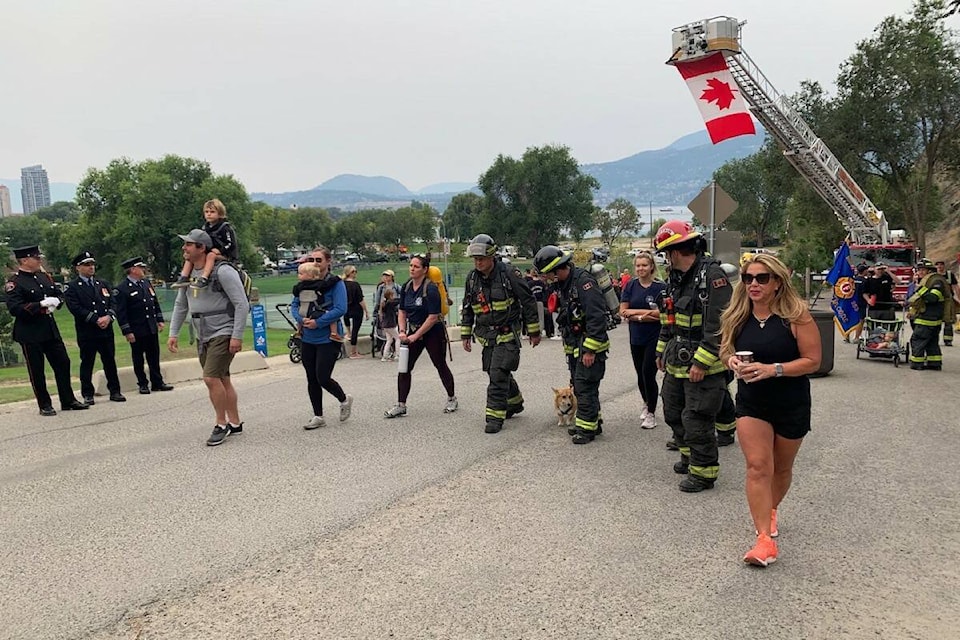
118 523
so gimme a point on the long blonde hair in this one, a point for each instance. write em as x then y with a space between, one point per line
786 304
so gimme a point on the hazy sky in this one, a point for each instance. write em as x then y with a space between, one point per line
285 94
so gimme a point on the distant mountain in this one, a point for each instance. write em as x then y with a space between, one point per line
376 185
59 191
448 187
674 174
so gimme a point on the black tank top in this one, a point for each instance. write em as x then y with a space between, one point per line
772 343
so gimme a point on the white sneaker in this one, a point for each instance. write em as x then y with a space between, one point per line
649 421
345 407
452 405
315 423
384 359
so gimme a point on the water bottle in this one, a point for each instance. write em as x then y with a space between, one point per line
403 358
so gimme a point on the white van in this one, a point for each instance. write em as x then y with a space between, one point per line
507 251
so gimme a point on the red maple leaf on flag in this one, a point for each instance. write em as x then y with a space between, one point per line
719 92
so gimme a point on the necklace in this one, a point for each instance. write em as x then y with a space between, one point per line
762 321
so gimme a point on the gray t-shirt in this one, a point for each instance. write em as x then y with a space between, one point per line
210 308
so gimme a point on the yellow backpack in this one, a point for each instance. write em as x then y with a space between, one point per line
436 277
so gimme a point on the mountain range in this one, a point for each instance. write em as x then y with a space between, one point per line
672 176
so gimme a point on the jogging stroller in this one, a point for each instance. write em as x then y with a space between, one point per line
883 338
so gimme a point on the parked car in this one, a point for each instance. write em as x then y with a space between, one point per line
377 257
289 266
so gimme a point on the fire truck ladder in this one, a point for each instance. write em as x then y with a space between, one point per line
808 154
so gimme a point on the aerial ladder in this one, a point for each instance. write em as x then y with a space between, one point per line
801 147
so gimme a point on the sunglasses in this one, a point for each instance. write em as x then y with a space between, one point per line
311 259
761 278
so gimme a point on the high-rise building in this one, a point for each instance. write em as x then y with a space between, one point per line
5 210
35 188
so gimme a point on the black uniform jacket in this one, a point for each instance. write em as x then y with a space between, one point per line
137 307
87 303
32 323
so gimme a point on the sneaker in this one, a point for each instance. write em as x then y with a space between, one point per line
649 421
218 436
724 438
556 337
354 356
763 553
181 283
452 405
315 423
234 429
396 411
345 407
200 283
384 359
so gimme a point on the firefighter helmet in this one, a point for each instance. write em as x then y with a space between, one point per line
673 233
926 263
550 257
482 246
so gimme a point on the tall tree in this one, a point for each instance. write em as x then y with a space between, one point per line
760 187
614 220
59 211
273 227
312 227
461 215
901 91
528 202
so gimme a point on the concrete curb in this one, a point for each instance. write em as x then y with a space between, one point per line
180 371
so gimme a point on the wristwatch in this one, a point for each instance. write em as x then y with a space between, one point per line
778 368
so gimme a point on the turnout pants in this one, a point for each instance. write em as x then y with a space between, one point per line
56 353
925 347
148 347
586 387
499 362
727 416
690 408
89 348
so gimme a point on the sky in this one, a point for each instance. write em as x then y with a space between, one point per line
284 95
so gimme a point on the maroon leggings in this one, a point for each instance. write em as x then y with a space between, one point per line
435 342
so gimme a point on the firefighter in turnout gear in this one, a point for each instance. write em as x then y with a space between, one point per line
926 310
698 290
497 306
582 318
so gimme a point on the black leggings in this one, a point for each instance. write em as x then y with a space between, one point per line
435 342
645 362
353 319
318 361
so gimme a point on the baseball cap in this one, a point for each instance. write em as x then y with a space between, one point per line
197 236
388 272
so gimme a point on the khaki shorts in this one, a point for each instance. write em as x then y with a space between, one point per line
216 357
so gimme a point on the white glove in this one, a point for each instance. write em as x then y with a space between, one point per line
50 302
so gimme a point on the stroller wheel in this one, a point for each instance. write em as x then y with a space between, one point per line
295 353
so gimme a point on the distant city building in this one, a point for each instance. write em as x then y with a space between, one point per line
5 210
35 188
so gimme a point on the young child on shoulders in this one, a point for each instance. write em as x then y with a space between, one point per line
224 244
311 282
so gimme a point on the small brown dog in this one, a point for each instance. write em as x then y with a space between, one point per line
566 405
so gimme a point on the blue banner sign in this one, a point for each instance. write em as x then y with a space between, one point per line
259 317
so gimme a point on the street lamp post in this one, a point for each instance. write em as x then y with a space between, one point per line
443 248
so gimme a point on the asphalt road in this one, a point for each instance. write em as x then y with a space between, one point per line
119 523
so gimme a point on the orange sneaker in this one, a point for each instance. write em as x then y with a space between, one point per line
763 553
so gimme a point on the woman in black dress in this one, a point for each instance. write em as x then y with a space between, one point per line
768 319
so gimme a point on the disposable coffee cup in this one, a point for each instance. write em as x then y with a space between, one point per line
744 356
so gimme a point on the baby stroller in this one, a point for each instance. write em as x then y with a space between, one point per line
884 338
378 338
295 342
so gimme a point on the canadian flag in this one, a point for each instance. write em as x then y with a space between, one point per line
718 97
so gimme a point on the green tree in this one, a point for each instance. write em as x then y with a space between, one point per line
461 215
59 211
761 188
616 219
357 229
528 202
312 226
130 209
273 227
901 94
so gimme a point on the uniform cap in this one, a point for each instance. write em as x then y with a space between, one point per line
32 251
198 236
84 257
133 262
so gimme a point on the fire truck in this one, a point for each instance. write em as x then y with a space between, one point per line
870 238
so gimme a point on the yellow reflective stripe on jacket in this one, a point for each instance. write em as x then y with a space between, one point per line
505 337
681 371
705 358
477 309
938 294
661 346
501 305
696 320
927 323
596 346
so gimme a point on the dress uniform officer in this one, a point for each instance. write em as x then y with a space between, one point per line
140 320
582 319
89 300
926 310
32 297
497 307
698 290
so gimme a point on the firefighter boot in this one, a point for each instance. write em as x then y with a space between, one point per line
682 466
695 484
